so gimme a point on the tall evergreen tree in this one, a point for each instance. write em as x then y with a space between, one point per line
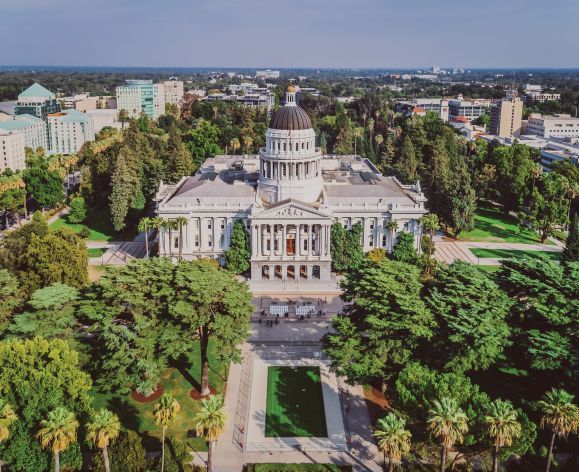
124 184
238 255
407 163
571 251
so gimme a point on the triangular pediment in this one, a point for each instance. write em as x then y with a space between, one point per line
291 209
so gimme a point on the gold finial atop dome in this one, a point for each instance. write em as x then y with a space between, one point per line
291 89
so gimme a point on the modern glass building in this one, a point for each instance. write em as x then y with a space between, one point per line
36 101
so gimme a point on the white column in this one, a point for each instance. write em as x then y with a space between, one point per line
298 240
253 240
271 245
310 240
284 240
259 238
213 227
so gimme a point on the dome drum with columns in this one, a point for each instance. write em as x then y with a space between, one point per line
288 196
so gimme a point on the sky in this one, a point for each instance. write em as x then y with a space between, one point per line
302 33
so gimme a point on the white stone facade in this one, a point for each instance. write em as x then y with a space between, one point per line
12 144
288 197
69 130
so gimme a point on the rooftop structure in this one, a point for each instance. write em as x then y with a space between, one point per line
37 101
559 125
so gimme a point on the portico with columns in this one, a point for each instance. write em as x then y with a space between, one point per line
290 241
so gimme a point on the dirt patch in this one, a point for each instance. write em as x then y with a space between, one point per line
139 397
377 403
196 395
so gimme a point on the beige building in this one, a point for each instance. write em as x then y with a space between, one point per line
69 130
506 117
12 144
556 126
173 91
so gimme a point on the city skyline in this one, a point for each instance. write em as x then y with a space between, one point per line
256 33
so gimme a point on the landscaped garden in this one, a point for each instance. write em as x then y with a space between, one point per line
295 404
98 222
96 251
492 225
512 253
180 382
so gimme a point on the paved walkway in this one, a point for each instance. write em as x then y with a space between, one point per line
449 251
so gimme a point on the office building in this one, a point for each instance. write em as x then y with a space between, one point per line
465 110
506 117
556 126
267 74
106 118
12 155
36 101
141 96
68 130
173 90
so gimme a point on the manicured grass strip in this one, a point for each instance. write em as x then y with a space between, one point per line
488 268
492 225
508 254
298 468
96 251
98 221
295 403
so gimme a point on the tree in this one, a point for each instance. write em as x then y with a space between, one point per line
15 243
157 223
560 415
145 225
404 250
102 430
234 145
210 304
181 223
460 197
238 255
471 312
571 251
77 210
9 294
44 186
178 159
358 133
37 377
123 185
392 227
209 423
203 140
393 438
170 226
448 423
514 167
166 410
548 208
123 117
337 247
128 453
431 224
127 310
60 256
503 427
380 330
353 248
7 418
407 163
58 432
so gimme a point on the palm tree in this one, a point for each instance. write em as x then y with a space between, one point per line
379 140
448 423
358 132
393 439
430 222
145 224
157 223
503 427
560 415
7 418
371 128
102 430
392 226
234 144
165 411
248 142
181 223
58 432
209 423
170 225
536 171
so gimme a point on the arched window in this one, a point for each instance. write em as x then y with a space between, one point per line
284 147
297 146
303 145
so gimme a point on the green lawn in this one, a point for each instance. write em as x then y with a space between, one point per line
297 468
295 404
492 225
96 251
508 253
178 381
99 224
488 268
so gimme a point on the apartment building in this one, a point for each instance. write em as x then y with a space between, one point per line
69 130
555 126
506 117
12 155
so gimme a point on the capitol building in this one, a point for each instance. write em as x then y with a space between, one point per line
288 196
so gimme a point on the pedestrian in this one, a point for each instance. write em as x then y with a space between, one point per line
260 321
